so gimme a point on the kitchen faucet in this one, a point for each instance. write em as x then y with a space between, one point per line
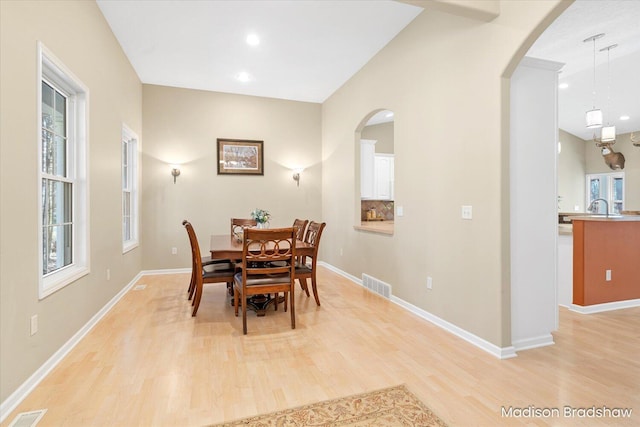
606 205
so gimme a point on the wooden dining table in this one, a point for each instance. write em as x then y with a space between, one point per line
225 246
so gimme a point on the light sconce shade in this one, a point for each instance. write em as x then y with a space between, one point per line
296 175
594 119
175 172
608 134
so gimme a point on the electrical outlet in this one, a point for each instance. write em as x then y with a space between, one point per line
108 274
174 251
467 212
34 324
607 275
429 282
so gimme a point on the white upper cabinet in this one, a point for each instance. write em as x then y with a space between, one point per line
383 172
367 164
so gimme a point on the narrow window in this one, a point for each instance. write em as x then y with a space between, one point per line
129 189
62 175
607 186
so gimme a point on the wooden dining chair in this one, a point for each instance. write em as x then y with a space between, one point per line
239 224
207 263
303 269
300 225
213 273
268 267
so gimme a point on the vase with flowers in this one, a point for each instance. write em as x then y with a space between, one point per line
262 217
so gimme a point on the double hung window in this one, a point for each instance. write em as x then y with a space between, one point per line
63 183
129 189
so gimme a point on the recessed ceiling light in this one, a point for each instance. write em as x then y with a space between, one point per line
563 85
625 117
253 40
243 76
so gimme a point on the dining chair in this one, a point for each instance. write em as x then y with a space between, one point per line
212 273
300 225
268 267
207 263
304 270
239 224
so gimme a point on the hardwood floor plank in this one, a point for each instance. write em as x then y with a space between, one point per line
149 363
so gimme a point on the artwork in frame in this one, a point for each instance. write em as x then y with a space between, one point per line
240 157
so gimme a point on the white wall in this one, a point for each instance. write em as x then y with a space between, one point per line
78 35
534 136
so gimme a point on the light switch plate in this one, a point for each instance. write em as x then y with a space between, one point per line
467 212
400 211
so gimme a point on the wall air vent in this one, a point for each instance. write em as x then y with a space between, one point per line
376 285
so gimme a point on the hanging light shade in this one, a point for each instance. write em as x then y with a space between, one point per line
594 116
594 119
608 134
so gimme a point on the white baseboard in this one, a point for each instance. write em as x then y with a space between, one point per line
499 352
529 343
11 402
608 306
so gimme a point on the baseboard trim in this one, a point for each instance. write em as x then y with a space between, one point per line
608 306
11 402
535 342
499 352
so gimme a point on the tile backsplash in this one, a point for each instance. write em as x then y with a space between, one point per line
383 208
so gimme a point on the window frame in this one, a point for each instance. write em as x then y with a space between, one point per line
131 141
53 72
608 180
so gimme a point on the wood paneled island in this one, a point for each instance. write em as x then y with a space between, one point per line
601 245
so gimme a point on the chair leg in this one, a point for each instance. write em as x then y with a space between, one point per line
192 285
196 299
235 301
315 288
275 302
293 307
244 314
303 285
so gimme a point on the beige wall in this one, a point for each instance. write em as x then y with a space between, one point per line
181 126
76 32
595 164
571 172
383 133
442 77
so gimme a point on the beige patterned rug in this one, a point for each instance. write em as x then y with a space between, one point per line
391 407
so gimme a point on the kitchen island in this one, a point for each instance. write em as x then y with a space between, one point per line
606 259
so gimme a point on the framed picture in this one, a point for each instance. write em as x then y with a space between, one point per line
240 157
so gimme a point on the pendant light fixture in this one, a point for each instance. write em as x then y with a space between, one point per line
608 134
594 116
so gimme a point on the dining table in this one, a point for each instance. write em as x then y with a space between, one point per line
226 246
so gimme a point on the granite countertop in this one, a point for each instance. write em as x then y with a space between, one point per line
382 227
610 218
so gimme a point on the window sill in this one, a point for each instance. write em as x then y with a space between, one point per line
57 281
378 227
127 247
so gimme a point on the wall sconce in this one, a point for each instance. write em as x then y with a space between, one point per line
296 175
175 172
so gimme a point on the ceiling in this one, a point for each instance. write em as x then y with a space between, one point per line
308 49
617 91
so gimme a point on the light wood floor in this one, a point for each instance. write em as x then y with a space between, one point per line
149 363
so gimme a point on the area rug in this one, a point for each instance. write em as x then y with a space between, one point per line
390 407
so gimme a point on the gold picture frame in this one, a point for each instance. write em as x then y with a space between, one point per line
240 157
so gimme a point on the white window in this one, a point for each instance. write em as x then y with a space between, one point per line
129 189
607 186
63 183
